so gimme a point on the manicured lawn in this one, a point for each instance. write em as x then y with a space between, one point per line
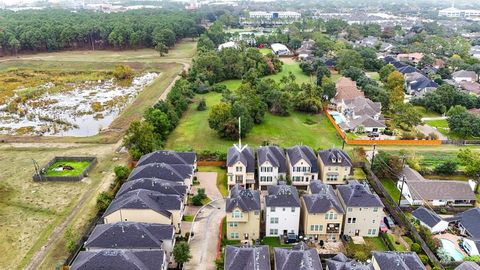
426 113
221 177
274 242
391 188
359 174
439 124
398 247
78 167
373 75
299 128
376 243
265 50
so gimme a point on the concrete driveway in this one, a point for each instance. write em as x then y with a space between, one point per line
204 243
208 181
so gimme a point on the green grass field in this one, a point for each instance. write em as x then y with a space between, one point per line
426 113
193 130
273 242
391 188
78 167
265 50
375 242
374 75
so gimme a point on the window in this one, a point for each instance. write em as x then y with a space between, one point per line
269 179
350 209
369 232
293 209
233 224
273 231
234 235
239 169
283 209
354 220
262 178
274 220
375 209
272 209
239 178
332 177
374 231
351 220
373 221
237 214
316 228
330 216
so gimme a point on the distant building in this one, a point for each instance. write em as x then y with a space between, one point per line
475 51
247 257
282 210
155 184
300 257
471 87
230 44
306 50
410 57
274 15
243 214
418 84
396 260
272 166
241 166
464 76
346 89
452 12
430 219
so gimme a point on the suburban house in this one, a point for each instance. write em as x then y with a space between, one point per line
146 206
407 69
361 115
417 84
363 210
464 76
300 257
241 166
471 87
282 210
169 157
302 165
335 166
120 259
369 41
322 214
272 165
420 191
386 47
410 57
155 184
247 257
346 89
468 225
179 173
468 265
475 51
132 235
306 49
342 262
396 260
280 49
228 45
243 214
430 219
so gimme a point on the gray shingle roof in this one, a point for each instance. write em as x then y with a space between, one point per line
130 235
247 258
119 259
428 217
464 73
146 199
341 262
335 157
153 184
273 154
322 201
246 157
298 152
168 157
468 266
398 260
411 174
408 69
441 190
470 220
245 199
282 196
175 172
355 194
301 257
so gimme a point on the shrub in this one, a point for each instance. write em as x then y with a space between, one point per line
424 259
416 248
420 135
407 136
121 172
103 200
197 199
443 210
202 105
123 72
433 136
472 258
446 168
360 256
70 238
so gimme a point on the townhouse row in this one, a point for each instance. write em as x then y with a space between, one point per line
140 224
271 164
321 214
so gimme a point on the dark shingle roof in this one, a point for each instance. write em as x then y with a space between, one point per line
468 266
426 216
470 220
130 235
246 157
245 199
175 172
355 194
398 260
306 153
335 157
153 184
168 157
341 262
146 199
407 69
322 201
273 154
247 258
119 259
440 190
300 257
282 196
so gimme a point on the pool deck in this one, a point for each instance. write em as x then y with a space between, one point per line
454 239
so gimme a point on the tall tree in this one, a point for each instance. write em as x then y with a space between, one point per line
181 254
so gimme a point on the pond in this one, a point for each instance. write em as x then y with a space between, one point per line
84 110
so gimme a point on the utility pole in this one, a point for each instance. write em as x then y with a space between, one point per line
373 156
403 181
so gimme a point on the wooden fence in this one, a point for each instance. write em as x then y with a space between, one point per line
378 142
203 163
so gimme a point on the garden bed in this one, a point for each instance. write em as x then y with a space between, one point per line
65 169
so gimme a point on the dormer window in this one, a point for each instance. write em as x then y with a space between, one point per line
334 160
339 159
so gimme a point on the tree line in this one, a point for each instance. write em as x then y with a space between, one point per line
51 30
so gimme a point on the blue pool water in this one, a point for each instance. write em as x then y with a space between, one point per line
338 118
449 246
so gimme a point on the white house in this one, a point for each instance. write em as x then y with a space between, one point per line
430 220
475 51
471 246
453 12
272 165
282 210
302 165
464 76
468 224
280 49
230 44
240 167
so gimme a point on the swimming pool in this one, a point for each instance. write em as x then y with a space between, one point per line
449 246
337 117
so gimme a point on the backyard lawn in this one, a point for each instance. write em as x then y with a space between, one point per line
273 241
391 188
375 242
194 133
441 125
78 167
426 113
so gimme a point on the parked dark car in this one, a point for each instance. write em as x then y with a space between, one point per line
291 238
373 135
389 222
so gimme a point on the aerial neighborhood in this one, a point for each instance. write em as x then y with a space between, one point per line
240 135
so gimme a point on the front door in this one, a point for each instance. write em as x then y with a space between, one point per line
357 232
285 232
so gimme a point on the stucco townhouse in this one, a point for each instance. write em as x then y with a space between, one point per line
335 166
243 208
282 210
302 165
241 167
272 166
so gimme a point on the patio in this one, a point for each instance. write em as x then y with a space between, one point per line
455 239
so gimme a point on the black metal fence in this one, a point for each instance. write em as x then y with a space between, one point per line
38 176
